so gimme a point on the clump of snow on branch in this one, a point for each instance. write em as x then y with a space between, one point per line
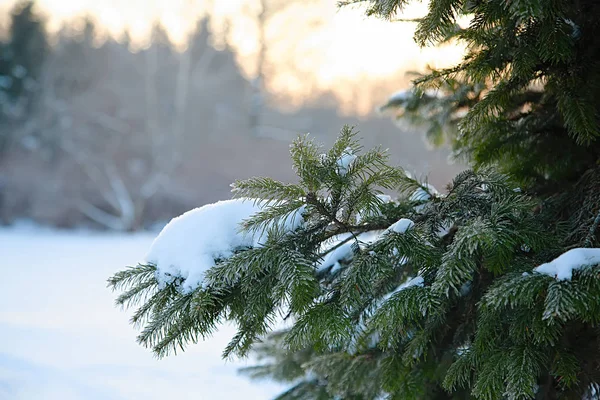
424 193
576 29
416 281
400 226
410 282
385 198
433 93
189 245
345 160
444 229
563 266
342 252
340 247
400 96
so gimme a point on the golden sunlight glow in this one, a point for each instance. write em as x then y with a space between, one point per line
345 48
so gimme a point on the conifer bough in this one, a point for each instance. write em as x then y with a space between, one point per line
491 291
435 296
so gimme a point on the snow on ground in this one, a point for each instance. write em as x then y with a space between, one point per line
62 338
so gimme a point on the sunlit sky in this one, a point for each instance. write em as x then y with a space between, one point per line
312 41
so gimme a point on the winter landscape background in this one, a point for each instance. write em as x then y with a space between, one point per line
63 339
113 122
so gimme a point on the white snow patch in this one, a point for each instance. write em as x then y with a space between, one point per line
417 281
402 95
563 266
345 160
343 252
410 282
463 349
188 245
435 93
370 236
401 226
53 356
424 194
402 260
444 229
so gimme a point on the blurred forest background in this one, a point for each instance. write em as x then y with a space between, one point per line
100 132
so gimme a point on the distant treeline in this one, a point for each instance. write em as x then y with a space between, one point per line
95 134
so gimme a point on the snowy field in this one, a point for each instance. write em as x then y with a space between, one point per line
62 338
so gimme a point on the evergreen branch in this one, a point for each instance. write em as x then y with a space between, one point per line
267 189
323 326
273 217
132 276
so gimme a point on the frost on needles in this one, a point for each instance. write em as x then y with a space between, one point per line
409 296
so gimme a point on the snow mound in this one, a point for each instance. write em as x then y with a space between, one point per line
563 266
188 245
401 226
422 194
344 162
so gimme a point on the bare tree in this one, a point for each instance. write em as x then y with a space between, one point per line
267 11
127 149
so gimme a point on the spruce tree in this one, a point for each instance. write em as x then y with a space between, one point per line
525 98
487 291
21 59
428 296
